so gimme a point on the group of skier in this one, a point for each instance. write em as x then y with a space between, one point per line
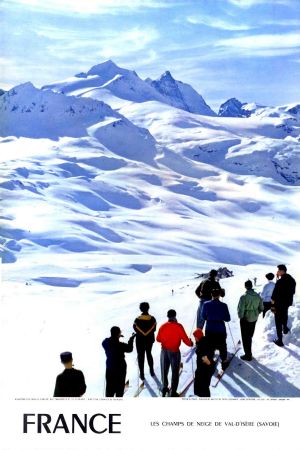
211 312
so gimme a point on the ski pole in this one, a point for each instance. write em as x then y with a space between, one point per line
231 336
193 325
104 387
195 344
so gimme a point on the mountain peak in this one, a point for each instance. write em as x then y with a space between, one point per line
180 95
233 108
166 76
106 66
21 88
106 80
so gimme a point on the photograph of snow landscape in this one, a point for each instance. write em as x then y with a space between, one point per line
143 144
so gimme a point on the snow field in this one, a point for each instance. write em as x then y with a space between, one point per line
103 209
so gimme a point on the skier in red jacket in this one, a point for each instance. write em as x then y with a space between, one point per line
170 335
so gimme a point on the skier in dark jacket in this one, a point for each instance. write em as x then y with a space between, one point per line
144 326
215 313
70 383
282 299
115 362
205 365
203 292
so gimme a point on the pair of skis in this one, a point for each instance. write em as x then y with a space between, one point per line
142 385
138 391
219 374
145 385
222 371
180 372
191 381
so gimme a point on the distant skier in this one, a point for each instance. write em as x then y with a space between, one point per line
255 281
205 365
115 362
71 382
267 292
215 313
249 308
203 292
144 326
170 335
282 299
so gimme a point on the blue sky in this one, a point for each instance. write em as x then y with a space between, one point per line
249 49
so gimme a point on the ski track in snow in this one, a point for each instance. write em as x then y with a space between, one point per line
103 209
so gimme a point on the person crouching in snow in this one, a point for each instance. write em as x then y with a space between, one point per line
215 313
170 336
205 365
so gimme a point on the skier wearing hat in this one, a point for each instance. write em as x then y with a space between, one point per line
70 383
205 365
170 335
115 362
215 313
282 299
203 292
144 326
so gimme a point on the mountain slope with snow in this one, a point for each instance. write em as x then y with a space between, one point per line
33 113
103 209
233 108
258 146
118 86
180 95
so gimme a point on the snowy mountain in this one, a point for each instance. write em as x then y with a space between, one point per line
293 109
180 95
118 86
103 209
25 106
33 113
259 146
107 82
233 108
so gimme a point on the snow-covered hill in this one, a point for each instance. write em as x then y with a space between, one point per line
288 114
103 209
33 113
258 146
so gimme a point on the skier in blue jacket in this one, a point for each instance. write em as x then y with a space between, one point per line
216 313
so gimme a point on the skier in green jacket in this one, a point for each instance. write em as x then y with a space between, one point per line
249 308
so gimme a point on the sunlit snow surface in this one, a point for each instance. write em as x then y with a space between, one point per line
127 207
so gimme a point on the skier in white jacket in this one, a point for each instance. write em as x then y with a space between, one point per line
267 292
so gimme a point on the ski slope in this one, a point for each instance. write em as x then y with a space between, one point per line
105 208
